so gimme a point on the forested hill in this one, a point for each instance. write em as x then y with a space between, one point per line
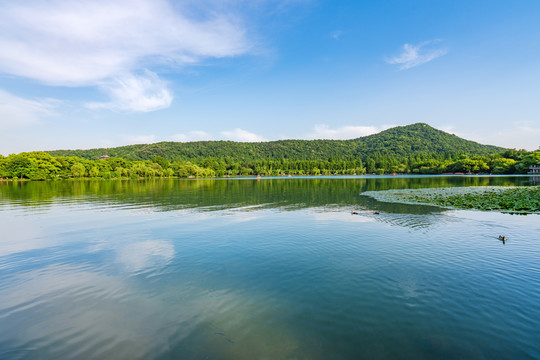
397 142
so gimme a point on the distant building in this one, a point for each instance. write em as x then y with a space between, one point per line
103 157
534 169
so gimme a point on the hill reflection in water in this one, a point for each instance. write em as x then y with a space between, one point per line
219 194
330 194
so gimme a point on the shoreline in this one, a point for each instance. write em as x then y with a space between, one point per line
352 176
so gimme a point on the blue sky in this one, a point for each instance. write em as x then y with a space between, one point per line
106 73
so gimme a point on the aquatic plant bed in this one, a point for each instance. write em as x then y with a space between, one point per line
523 199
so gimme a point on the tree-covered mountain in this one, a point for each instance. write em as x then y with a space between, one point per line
398 142
413 149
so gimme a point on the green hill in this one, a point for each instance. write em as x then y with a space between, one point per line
398 142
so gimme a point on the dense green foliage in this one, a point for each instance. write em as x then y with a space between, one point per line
398 142
416 149
43 166
525 199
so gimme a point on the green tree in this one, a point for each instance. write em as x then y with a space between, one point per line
164 163
94 171
503 166
532 158
18 166
78 170
370 165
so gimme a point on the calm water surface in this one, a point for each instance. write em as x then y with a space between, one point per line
269 269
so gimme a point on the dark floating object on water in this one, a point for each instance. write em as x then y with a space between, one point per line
354 212
502 238
376 212
222 334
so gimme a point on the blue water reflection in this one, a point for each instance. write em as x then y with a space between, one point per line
238 270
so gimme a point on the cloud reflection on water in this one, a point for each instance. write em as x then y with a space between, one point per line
146 255
78 312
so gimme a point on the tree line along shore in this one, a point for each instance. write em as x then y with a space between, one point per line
43 166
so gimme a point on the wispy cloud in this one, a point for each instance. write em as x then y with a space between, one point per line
97 42
195 135
142 93
415 55
318 132
344 132
241 135
138 139
16 111
336 34
516 135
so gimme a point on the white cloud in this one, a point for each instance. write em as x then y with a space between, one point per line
241 135
141 93
195 135
415 55
16 111
84 42
345 132
518 137
138 139
100 42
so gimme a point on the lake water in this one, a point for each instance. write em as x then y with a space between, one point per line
263 269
